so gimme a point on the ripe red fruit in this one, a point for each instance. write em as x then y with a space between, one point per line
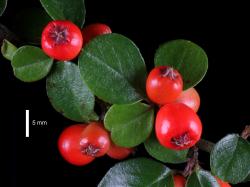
177 126
61 40
222 183
179 181
164 85
189 97
91 31
118 152
95 140
69 146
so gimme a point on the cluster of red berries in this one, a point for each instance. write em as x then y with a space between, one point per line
80 144
177 125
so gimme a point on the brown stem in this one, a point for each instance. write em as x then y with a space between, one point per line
246 132
192 162
205 145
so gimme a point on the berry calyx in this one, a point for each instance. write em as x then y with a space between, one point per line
59 34
164 84
177 126
168 72
61 40
95 140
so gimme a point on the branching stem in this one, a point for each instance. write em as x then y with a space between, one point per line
192 162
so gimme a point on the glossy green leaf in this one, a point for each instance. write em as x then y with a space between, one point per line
113 68
73 10
230 159
185 56
29 23
129 124
159 152
68 94
30 64
201 178
139 172
8 49
3 5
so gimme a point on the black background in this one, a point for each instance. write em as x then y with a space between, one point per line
223 32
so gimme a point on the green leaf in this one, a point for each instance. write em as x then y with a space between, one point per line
129 124
30 64
68 93
159 152
230 159
29 24
139 172
8 49
113 68
73 10
201 178
185 56
3 5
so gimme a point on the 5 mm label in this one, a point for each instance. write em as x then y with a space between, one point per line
33 123
39 123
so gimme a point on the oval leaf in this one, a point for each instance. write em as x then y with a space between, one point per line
138 172
3 5
113 68
30 64
8 49
201 178
185 56
230 159
159 152
29 24
129 124
68 94
73 10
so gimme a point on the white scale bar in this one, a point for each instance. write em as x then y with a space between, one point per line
27 129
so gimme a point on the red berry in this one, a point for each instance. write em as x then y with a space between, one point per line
91 31
95 140
61 40
69 146
179 181
117 152
177 126
164 85
222 183
189 97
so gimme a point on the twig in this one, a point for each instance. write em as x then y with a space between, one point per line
192 162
